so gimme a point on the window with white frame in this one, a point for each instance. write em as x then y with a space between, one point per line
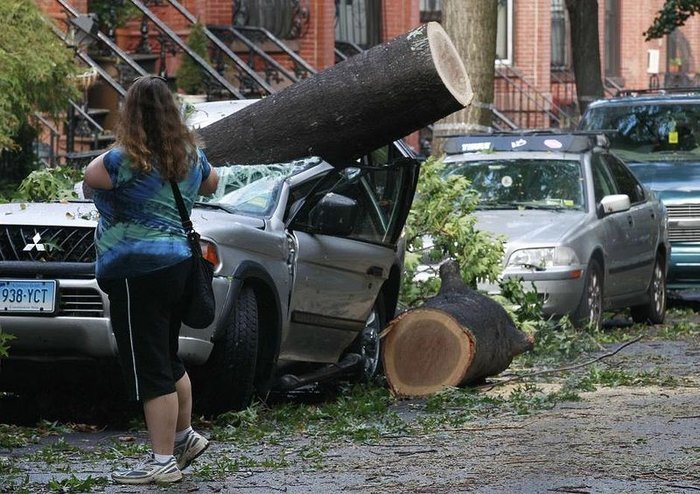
559 59
504 32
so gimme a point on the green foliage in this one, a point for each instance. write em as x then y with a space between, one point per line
75 484
30 79
189 77
439 227
111 14
599 375
49 184
5 343
673 14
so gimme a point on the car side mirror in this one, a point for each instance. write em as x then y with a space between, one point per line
614 203
334 215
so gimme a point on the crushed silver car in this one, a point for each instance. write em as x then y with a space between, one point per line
308 260
577 223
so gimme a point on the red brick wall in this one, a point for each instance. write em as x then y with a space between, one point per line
54 9
532 41
318 45
398 17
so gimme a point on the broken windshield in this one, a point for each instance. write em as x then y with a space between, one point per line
254 189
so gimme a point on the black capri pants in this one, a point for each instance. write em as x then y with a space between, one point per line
145 312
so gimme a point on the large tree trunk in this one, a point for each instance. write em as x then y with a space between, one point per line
349 109
583 17
456 338
472 27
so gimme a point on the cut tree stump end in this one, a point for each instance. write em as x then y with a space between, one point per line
426 352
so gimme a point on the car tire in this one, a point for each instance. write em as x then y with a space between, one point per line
590 310
230 381
654 311
368 342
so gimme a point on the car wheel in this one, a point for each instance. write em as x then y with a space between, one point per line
590 309
230 381
368 343
654 311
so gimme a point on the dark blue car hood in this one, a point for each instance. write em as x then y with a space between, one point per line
666 177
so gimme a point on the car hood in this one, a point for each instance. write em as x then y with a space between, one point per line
84 214
676 176
530 226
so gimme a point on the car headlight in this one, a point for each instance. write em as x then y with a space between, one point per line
543 258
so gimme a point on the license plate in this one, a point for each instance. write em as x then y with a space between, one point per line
36 296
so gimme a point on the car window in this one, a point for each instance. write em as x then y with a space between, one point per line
377 194
538 183
644 131
626 183
603 182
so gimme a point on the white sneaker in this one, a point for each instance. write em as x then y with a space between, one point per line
150 472
189 448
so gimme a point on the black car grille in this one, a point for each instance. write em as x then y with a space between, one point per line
80 302
47 244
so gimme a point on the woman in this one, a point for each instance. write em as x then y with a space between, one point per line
143 264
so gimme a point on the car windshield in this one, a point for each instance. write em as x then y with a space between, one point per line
254 189
649 132
524 183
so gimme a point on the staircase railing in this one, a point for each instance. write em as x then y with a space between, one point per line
181 44
524 104
254 34
248 77
346 49
54 137
611 87
103 38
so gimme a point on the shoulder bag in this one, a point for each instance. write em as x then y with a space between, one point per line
199 307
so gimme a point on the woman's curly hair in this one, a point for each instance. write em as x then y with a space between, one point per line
152 131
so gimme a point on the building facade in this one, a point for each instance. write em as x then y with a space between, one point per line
534 83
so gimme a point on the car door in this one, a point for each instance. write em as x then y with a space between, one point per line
345 237
613 231
641 220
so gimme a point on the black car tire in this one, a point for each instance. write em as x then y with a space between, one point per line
590 310
653 312
230 381
368 342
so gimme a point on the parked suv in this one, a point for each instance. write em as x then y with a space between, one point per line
657 133
577 223
308 259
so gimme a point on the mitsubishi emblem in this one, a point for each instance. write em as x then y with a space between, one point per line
39 247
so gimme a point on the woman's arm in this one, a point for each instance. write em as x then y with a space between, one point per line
209 185
96 175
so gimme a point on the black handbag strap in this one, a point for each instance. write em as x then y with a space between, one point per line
184 217
192 235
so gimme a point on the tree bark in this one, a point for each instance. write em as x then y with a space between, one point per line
583 17
472 26
349 109
456 338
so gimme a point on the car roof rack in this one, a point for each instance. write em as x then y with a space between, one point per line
553 140
658 91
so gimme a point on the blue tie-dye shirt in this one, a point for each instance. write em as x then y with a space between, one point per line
139 230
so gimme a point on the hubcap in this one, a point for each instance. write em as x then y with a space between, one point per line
369 346
595 300
658 289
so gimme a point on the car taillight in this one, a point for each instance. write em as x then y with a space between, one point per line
210 253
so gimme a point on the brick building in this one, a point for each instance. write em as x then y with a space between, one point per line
534 85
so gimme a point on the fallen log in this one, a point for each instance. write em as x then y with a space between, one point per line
351 108
456 338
